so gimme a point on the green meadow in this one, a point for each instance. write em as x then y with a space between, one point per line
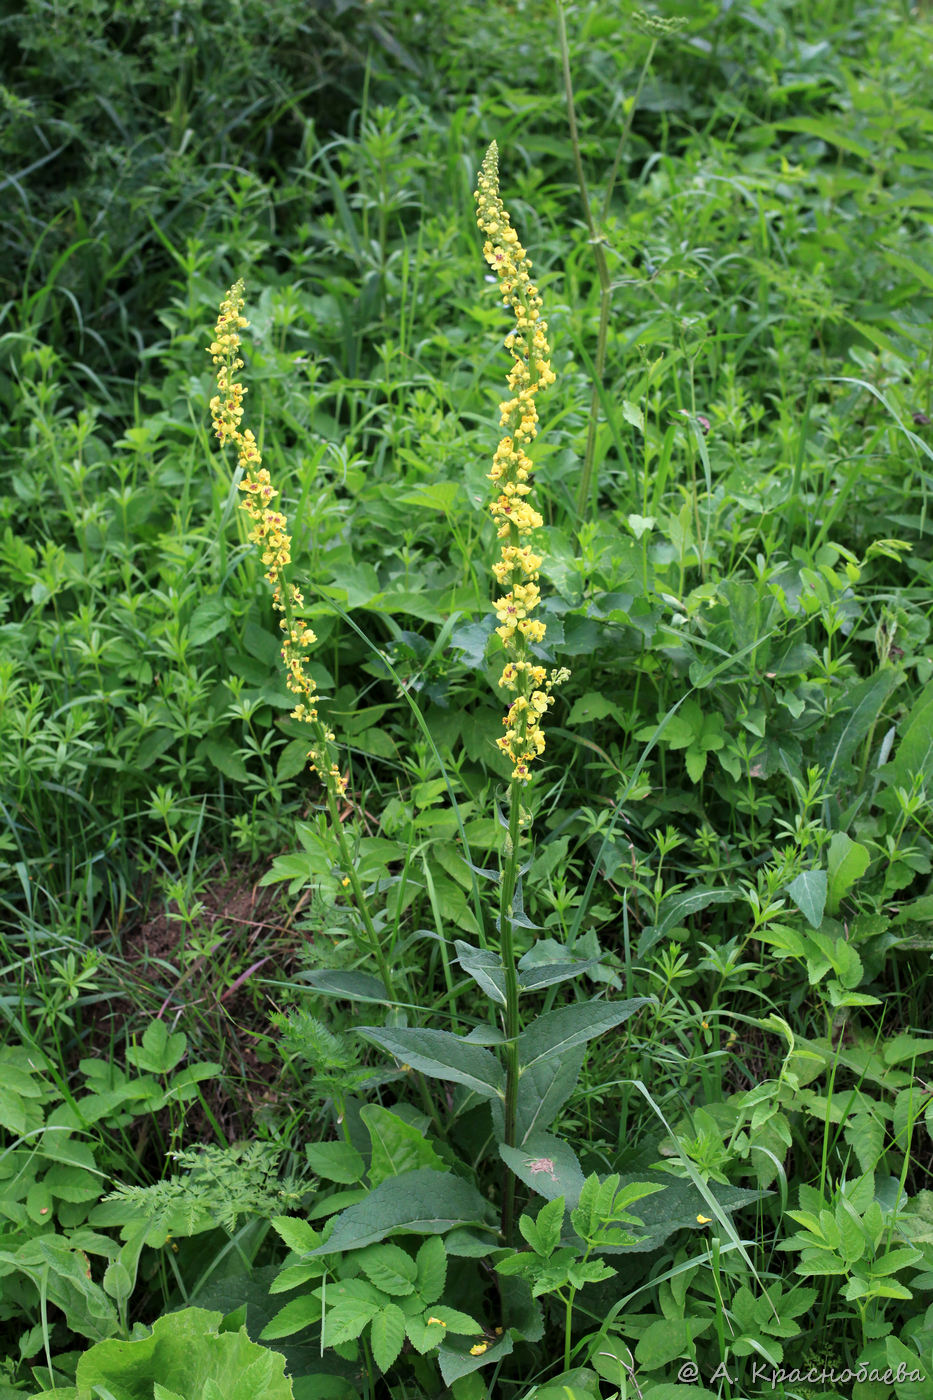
466 700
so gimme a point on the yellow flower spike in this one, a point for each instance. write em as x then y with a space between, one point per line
516 519
269 532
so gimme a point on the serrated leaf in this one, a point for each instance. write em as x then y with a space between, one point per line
346 1320
424 1336
296 1315
431 1261
297 1234
387 1335
457 1322
335 1161
389 1268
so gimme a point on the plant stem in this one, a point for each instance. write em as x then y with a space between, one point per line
507 954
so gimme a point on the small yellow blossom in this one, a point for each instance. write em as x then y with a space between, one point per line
704 1220
269 532
479 1348
516 519
437 1322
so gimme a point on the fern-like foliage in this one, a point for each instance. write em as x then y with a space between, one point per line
216 1186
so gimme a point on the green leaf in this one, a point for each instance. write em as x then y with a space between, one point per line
335 1161
848 861
297 1234
387 1335
398 1147
346 1320
431 1261
550 1222
424 1336
808 892
458 1322
555 1032
485 968
294 1317
389 1268
349 986
159 1052
422 1202
455 1359
442 1056
185 1353
533 976
915 750
543 1089
548 1165
667 1339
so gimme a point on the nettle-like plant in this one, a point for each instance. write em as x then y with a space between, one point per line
380 1304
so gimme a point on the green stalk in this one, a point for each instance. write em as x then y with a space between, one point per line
507 954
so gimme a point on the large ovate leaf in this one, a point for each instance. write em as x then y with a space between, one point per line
422 1202
442 1056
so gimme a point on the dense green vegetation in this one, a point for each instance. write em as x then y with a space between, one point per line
641 1105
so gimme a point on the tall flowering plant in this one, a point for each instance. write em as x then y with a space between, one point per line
270 535
525 1068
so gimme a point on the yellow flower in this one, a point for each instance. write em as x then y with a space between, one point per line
704 1220
516 519
269 532
479 1348
437 1322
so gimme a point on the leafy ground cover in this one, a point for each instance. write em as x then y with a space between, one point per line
400 1074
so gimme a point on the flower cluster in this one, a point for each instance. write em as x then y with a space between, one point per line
269 531
516 518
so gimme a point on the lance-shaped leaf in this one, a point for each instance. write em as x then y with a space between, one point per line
442 1056
422 1202
532 977
557 1031
484 967
347 984
542 1092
